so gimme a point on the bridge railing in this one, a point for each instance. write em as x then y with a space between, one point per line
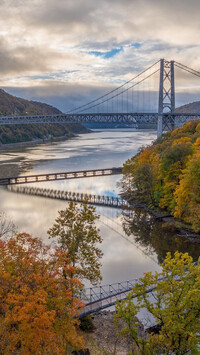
97 293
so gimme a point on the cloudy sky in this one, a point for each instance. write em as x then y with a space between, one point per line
65 52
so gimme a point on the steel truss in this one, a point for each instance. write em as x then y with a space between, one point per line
127 118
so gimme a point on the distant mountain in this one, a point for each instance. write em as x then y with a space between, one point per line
11 105
193 107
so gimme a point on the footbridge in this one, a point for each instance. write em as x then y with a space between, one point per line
59 176
101 297
98 200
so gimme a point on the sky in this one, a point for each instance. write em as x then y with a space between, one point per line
67 52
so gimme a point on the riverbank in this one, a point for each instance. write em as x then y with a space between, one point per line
46 139
104 338
38 141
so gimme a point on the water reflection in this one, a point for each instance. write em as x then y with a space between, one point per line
155 236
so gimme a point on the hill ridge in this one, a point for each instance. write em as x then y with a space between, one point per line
13 105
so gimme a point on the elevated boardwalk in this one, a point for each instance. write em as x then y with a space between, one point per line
60 176
98 200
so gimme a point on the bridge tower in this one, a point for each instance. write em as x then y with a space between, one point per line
166 104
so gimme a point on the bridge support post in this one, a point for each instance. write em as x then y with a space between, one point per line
172 94
160 100
166 97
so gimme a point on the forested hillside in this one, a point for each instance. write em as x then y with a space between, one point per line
11 105
167 174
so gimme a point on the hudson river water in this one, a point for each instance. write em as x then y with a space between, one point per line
131 244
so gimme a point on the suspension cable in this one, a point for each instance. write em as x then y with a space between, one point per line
125 237
189 70
110 92
130 87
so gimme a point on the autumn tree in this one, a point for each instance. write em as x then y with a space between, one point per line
38 314
188 193
175 307
77 235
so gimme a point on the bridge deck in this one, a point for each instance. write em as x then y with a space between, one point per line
59 176
135 118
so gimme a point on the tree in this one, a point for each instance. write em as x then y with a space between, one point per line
38 314
157 177
7 228
175 308
77 235
188 194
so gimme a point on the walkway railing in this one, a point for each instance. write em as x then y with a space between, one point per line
100 297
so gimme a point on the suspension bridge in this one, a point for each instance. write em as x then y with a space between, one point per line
130 103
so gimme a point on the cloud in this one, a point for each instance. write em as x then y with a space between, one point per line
90 43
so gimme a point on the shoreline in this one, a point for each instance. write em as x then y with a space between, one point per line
38 141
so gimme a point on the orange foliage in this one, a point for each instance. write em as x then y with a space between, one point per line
37 310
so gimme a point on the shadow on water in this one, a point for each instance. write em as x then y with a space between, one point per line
156 236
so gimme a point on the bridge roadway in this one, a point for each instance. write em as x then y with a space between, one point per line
123 117
71 196
59 176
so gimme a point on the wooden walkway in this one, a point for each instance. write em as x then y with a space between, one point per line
60 176
98 200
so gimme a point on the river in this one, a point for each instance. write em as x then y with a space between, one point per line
131 244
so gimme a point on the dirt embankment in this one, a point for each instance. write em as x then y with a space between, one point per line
105 339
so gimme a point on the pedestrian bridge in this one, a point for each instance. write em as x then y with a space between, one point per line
60 176
100 297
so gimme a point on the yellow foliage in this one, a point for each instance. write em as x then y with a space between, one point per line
173 167
181 140
197 143
175 308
